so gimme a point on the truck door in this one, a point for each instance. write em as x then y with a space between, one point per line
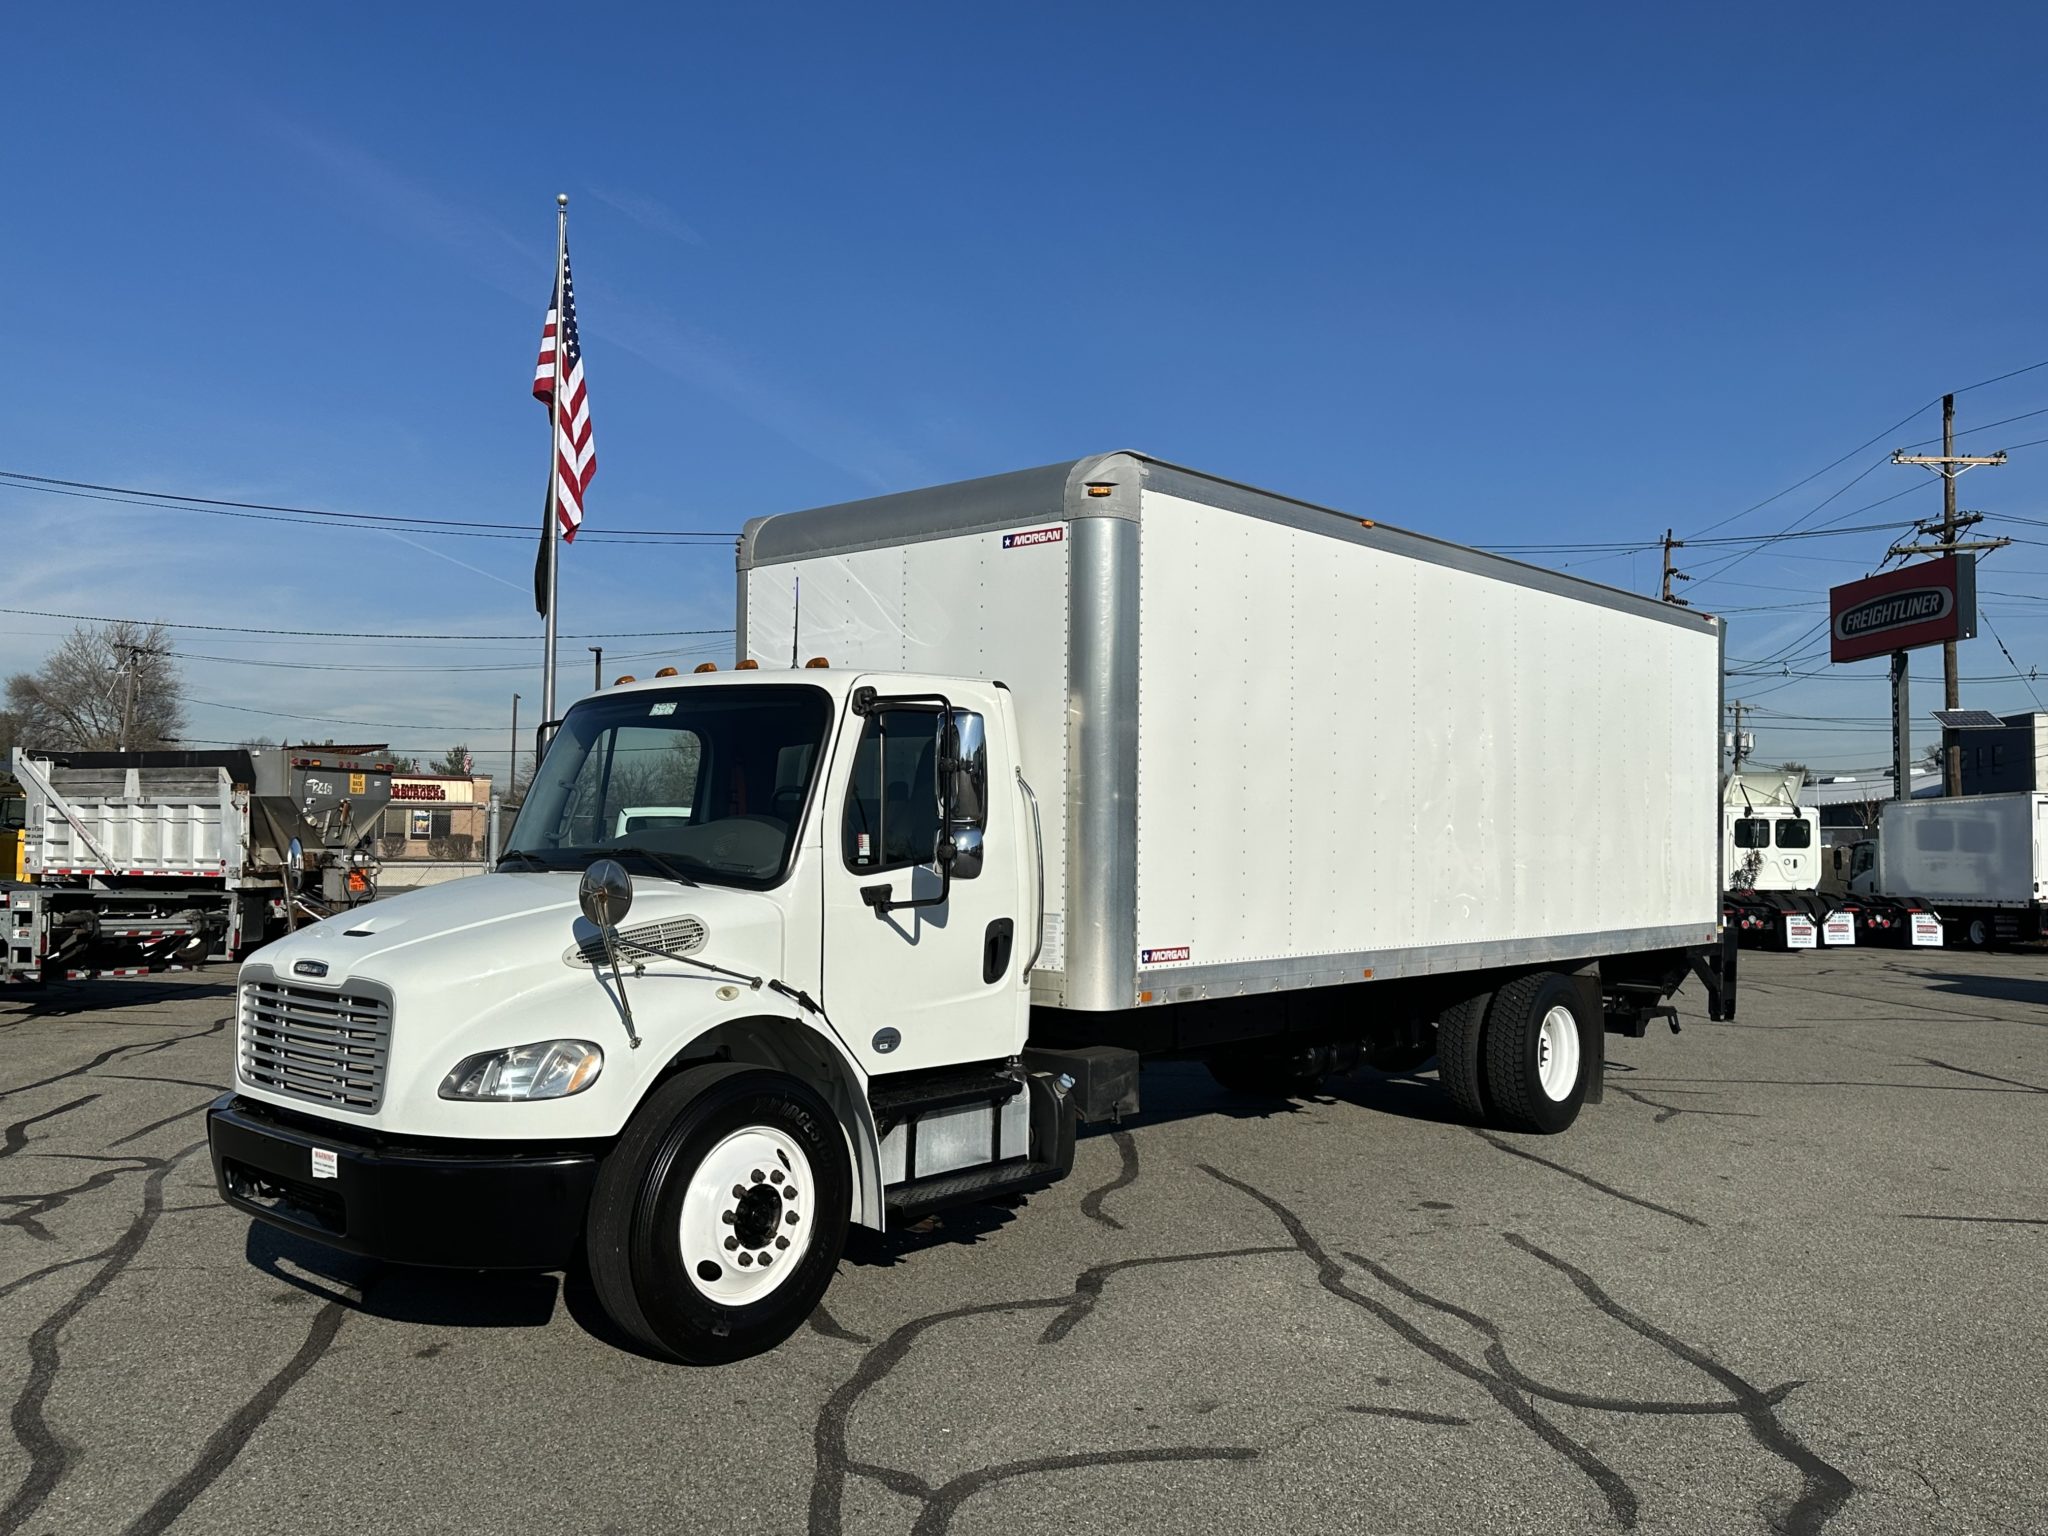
927 985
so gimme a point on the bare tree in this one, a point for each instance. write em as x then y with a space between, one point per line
106 686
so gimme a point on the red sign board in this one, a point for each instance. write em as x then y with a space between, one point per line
1916 605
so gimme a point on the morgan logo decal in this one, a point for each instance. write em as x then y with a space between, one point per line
1035 536
1163 956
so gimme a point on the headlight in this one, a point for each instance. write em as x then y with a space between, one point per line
548 1069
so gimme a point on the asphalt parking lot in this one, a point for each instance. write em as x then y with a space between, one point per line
1790 1276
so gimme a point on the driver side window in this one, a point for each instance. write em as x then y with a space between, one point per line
892 804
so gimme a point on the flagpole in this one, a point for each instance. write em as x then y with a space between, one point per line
547 685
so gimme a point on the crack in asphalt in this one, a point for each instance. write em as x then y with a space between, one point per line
1826 1488
1127 1170
49 1457
1586 1178
16 1135
228 1442
1672 1111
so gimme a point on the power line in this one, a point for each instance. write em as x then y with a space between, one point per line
197 503
1879 437
350 634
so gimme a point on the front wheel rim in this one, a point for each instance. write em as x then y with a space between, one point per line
1557 1054
747 1216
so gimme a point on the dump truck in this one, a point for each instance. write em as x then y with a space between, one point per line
1013 785
148 861
1977 865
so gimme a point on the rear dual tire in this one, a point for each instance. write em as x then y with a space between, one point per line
1522 1058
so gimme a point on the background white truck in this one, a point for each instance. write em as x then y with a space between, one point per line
1979 861
1017 782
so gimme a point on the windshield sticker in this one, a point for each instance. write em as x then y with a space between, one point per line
1035 536
666 707
862 848
1163 956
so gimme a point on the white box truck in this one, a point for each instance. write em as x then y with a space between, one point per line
1016 782
1979 861
1776 871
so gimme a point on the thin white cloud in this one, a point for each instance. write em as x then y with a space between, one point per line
649 213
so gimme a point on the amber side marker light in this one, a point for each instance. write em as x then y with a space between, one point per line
749 665
1100 490
666 672
1144 997
705 666
816 661
1367 973
621 681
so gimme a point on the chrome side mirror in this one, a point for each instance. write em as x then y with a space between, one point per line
605 894
295 856
961 854
963 769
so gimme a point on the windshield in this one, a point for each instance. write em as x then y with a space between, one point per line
713 780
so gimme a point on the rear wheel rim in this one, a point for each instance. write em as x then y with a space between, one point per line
1557 1054
746 1219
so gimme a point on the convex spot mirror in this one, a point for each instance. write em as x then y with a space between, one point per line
295 856
963 791
606 893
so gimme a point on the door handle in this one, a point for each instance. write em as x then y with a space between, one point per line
996 944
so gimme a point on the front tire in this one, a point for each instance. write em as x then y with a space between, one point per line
718 1219
1537 1060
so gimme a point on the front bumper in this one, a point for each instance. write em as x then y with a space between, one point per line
492 1208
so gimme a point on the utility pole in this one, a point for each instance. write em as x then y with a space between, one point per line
1671 572
512 768
596 665
1737 738
128 698
1948 465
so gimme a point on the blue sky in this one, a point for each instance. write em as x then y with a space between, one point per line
1505 274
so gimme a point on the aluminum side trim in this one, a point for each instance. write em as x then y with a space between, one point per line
1186 983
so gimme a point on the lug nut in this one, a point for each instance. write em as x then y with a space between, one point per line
731 1243
790 1218
775 1175
746 1259
757 1175
726 1217
782 1242
766 1259
738 1191
789 1192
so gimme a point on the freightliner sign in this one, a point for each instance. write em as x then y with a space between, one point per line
1916 605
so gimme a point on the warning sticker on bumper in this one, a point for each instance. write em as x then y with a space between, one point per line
326 1164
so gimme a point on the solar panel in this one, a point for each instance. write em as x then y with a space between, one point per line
1967 719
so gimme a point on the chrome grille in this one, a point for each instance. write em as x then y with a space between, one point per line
325 1047
675 935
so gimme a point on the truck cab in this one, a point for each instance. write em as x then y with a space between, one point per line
852 896
1771 848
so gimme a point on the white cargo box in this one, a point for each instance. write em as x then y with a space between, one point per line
1277 745
1970 851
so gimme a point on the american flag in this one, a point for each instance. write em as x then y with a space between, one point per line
561 355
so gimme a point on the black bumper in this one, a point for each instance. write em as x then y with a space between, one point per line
484 1209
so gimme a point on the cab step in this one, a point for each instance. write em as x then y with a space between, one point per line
898 1101
968 1186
